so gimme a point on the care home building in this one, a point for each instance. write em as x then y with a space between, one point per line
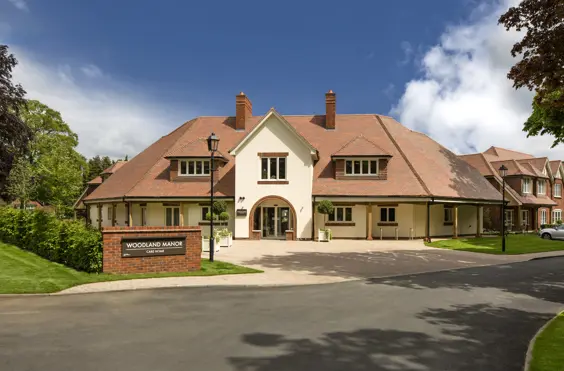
385 180
533 187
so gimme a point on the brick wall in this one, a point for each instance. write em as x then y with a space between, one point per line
114 263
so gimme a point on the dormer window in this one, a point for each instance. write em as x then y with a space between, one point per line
361 167
526 187
194 168
541 187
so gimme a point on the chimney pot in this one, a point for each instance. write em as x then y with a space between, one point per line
330 109
243 110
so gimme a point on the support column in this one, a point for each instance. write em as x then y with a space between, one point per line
130 213
182 213
100 216
369 221
455 221
428 224
313 212
479 220
519 218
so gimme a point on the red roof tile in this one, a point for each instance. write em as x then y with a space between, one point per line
419 166
360 146
196 148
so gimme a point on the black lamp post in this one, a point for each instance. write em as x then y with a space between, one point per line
213 142
503 173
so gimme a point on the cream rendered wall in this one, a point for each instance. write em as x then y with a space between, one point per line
358 231
466 220
273 136
405 217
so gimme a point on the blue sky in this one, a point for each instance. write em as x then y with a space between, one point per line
155 64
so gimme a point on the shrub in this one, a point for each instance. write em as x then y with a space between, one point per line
558 222
543 226
68 242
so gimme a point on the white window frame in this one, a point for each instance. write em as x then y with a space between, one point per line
268 162
558 187
388 215
525 217
362 172
448 215
526 185
556 215
187 162
110 212
509 218
172 216
333 217
202 213
144 216
539 183
543 216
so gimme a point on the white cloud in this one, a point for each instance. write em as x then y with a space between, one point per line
20 4
109 117
464 99
92 71
407 52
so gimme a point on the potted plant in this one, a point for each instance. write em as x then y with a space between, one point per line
325 207
206 243
225 237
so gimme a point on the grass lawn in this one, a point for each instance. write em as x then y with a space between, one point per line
548 354
23 272
514 244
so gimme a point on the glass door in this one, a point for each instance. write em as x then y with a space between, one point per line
283 221
268 222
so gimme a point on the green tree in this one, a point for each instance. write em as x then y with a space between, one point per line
14 134
325 207
55 172
21 181
541 66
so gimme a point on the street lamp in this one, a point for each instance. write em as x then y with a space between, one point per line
503 173
213 142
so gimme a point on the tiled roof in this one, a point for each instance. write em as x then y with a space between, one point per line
360 146
97 180
506 154
419 166
196 148
554 166
115 167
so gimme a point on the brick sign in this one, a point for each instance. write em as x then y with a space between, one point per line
153 246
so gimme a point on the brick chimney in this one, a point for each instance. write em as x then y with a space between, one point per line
243 110
330 109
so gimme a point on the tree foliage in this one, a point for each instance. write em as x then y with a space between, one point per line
541 67
96 165
14 134
53 168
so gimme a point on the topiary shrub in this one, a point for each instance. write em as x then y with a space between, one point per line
325 207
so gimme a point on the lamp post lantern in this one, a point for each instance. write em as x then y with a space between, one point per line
213 142
503 173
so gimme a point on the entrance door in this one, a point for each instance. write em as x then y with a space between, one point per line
268 222
283 221
525 219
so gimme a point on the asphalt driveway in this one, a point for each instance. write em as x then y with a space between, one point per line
354 259
464 320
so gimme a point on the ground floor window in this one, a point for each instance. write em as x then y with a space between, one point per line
388 214
110 212
143 216
556 215
543 216
509 218
203 215
341 214
448 214
172 216
524 218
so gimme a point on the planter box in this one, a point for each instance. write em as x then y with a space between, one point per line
206 245
226 241
323 236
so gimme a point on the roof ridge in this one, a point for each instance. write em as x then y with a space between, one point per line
163 153
409 164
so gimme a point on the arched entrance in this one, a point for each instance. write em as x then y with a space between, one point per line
273 216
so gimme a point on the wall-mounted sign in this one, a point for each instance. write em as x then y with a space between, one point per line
152 246
241 212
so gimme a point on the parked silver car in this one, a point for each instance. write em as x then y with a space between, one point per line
553 233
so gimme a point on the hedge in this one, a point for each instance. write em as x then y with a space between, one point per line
68 242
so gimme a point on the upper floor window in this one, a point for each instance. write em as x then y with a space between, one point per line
361 167
341 214
194 167
558 190
526 187
541 187
273 168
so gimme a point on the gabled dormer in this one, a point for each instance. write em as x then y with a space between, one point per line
361 159
191 162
